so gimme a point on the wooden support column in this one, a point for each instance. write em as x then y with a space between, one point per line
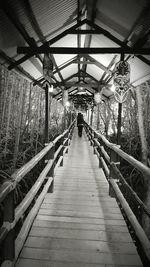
91 118
119 113
119 123
9 214
46 114
115 159
98 120
50 155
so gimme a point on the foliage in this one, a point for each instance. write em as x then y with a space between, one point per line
22 122
105 121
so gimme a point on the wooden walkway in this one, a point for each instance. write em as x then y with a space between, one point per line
79 225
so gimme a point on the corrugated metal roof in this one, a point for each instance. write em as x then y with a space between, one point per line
121 18
51 15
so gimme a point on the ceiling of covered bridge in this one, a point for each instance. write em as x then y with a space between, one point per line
75 31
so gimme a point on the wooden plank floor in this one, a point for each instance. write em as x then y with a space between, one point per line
79 224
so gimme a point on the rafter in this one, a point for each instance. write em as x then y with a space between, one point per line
8 60
91 13
86 74
80 84
87 50
18 25
116 40
38 30
50 42
88 31
98 64
65 65
109 66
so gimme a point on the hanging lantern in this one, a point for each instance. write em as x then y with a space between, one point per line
47 66
121 81
49 86
65 97
97 98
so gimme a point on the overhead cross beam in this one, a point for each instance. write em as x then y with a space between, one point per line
81 50
116 40
50 42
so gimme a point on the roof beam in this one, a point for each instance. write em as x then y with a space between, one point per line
50 42
65 65
86 74
116 40
38 30
91 13
15 21
142 20
61 67
109 66
26 4
81 50
88 31
59 95
106 33
78 35
98 64
89 85
18 68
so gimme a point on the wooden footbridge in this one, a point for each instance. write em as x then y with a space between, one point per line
80 217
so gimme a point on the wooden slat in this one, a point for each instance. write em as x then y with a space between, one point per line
80 256
81 234
43 263
80 214
87 208
74 244
82 220
104 201
79 224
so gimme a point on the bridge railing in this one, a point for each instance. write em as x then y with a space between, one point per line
109 156
51 157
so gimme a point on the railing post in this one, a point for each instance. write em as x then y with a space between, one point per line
91 136
71 131
94 144
114 159
87 130
62 150
50 155
100 154
66 141
9 215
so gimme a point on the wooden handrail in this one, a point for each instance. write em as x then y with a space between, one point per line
107 154
7 189
20 173
133 220
135 163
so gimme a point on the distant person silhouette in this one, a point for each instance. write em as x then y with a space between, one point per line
80 122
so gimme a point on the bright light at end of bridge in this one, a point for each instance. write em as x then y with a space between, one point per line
67 104
112 88
50 89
